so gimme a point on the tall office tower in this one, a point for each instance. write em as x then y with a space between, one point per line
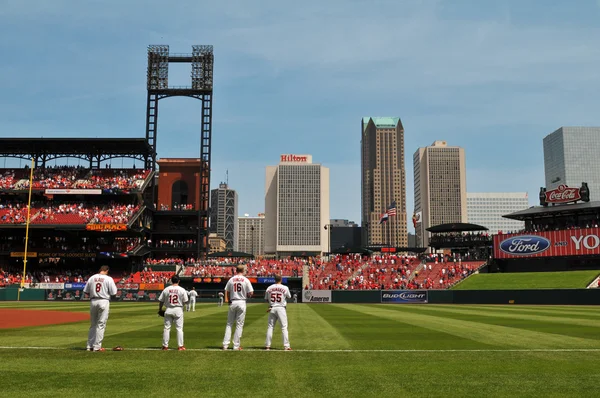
383 181
296 207
251 234
487 209
440 187
223 215
571 157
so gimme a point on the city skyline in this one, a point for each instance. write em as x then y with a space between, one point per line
494 79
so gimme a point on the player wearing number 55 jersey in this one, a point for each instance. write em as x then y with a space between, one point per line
277 296
237 290
100 287
174 298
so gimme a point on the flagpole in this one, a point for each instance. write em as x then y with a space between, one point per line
26 233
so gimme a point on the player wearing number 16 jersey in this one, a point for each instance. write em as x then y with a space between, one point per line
174 298
237 290
100 287
277 296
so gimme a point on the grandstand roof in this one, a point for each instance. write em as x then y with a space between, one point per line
73 146
541 211
456 227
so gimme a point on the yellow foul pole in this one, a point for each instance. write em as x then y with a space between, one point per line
26 232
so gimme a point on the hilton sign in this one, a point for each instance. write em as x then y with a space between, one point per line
295 158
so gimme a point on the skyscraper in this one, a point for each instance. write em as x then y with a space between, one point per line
440 187
487 209
383 181
571 157
251 234
223 215
296 207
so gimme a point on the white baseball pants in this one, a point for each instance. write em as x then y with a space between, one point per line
220 301
278 313
173 316
192 304
99 309
237 314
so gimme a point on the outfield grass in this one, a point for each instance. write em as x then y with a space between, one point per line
339 350
529 280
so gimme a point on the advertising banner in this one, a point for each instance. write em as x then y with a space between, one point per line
22 254
73 192
58 286
75 286
270 280
404 296
122 295
106 227
572 242
66 255
152 286
316 296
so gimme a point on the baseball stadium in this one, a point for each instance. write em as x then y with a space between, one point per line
513 313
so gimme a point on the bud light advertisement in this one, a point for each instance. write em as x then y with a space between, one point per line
74 286
271 280
404 296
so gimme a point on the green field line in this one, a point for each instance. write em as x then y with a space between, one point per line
480 332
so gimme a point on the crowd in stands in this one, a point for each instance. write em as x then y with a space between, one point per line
177 207
177 244
559 224
460 237
73 177
68 213
225 267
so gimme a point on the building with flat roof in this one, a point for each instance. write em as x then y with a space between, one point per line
252 234
571 157
487 209
440 187
224 215
296 207
383 181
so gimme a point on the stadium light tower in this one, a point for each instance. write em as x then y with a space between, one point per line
201 88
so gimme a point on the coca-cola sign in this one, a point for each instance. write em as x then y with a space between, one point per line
563 194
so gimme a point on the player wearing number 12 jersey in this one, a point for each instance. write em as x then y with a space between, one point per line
277 296
237 290
100 287
174 298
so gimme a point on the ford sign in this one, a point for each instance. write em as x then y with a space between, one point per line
404 296
525 245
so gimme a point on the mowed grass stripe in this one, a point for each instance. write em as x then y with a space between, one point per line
483 333
587 312
121 322
367 330
526 322
531 316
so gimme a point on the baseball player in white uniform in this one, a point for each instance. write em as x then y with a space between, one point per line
221 298
237 290
174 298
277 295
99 287
192 303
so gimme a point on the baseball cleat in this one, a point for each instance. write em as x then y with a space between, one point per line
238 349
88 349
182 348
287 349
100 350
165 348
267 348
224 348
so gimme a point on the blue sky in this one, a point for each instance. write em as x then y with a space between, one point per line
494 77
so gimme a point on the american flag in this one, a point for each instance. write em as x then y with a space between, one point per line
384 218
392 209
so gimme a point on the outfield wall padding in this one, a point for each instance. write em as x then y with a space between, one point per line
26 295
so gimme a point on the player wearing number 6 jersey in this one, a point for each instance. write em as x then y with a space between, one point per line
100 287
237 290
277 296
174 298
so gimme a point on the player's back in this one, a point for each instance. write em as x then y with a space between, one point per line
100 287
239 287
277 295
174 297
